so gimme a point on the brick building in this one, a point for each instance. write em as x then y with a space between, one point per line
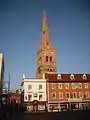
67 90
63 91
15 97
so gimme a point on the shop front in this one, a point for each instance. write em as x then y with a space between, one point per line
36 106
53 107
64 106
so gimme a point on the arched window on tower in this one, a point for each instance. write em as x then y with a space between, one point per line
39 71
47 43
50 59
54 70
46 58
40 59
43 32
47 69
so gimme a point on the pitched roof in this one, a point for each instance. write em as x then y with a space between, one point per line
67 77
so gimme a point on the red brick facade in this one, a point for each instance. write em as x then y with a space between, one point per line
68 87
15 96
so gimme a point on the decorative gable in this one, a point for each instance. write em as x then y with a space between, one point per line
59 76
72 77
84 77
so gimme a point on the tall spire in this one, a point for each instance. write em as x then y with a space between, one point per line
45 36
44 22
46 54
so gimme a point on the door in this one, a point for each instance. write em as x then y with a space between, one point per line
35 107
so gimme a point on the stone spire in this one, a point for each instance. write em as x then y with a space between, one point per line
46 54
45 35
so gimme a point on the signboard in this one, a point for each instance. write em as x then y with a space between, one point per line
75 99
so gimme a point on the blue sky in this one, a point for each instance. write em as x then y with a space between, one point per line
20 33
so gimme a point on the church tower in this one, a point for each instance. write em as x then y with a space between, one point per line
46 54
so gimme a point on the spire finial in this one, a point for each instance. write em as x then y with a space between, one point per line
44 14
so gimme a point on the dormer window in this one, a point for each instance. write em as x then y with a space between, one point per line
84 77
72 77
59 76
